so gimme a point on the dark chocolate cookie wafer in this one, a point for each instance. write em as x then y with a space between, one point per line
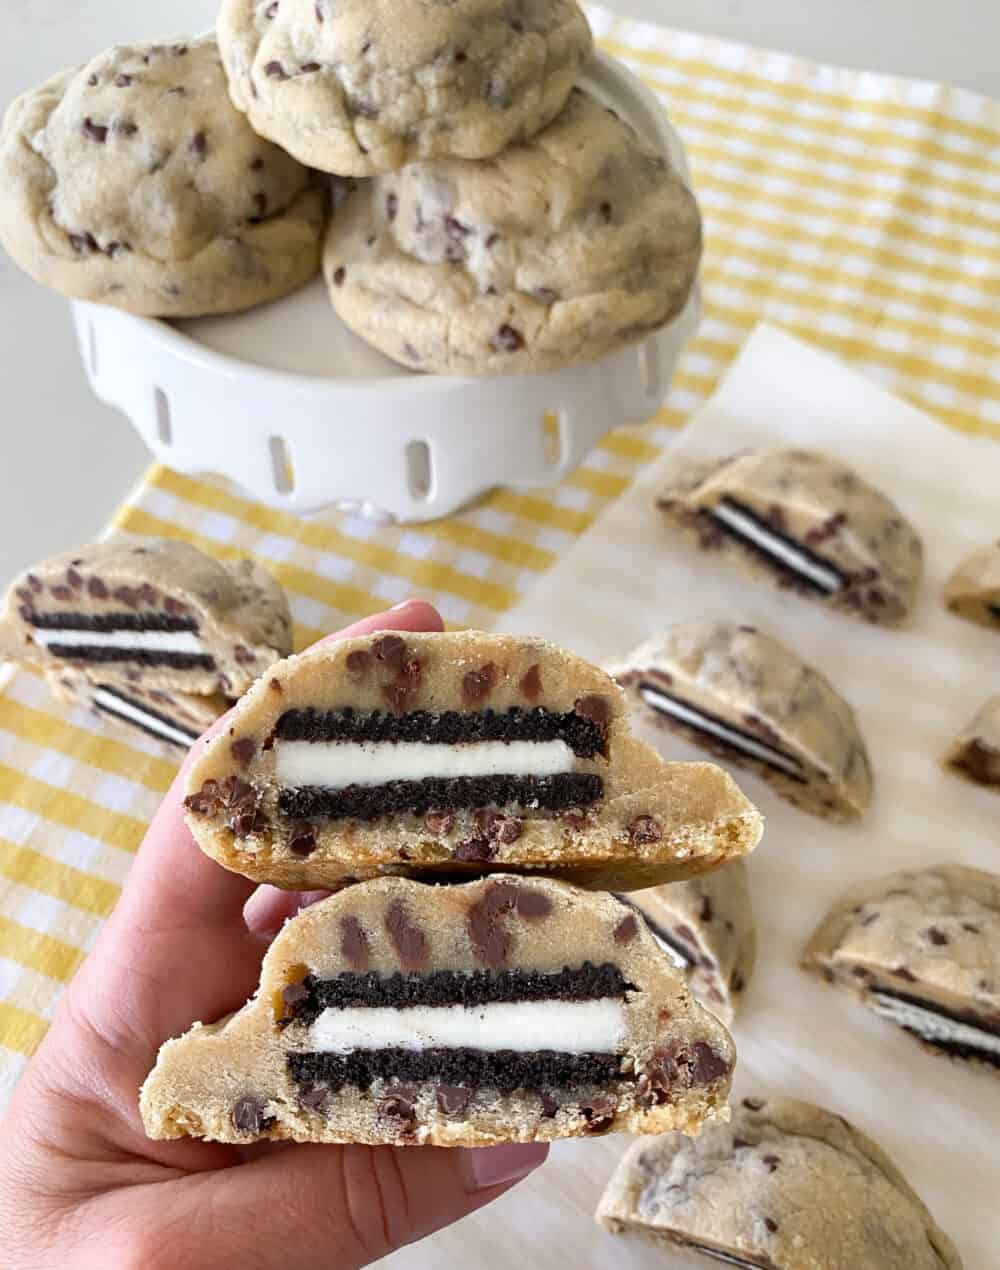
448 754
806 522
508 1009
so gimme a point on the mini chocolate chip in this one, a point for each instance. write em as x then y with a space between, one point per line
506 829
627 929
62 593
310 68
275 70
74 579
507 340
243 655
148 594
606 211
408 939
531 904
596 709
248 1116
771 1224
318 10
180 50
461 56
354 945
453 1099
477 849
339 276
260 202
302 839
478 684
599 1114
275 686
34 583
706 1065
294 994
737 983
400 693
741 1144
936 936
391 651
455 229
439 823
176 608
549 1105
391 207
199 143
26 613
257 165
243 750
125 128
972 929
901 972
772 1162
517 25
93 131
123 81
755 1104
314 1098
644 829
162 698
707 911
867 921
271 9
359 662
492 240
24 594
531 683
92 81
398 1108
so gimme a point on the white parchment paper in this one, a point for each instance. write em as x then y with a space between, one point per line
913 690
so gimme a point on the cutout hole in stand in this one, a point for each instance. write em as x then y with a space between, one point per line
554 438
419 470
164 425
281 465
92 348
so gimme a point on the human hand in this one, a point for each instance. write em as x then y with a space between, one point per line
82 1186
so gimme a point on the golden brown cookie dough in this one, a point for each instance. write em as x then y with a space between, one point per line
806 522
973 590
748 699
706 928
556 252
785 1184
358 87
922 949
508 1009
133 181
148 613
975 755
444 754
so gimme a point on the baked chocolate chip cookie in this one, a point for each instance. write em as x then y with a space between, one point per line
151 614
556 252
973 590
359 87
785 1184
806 522
507 1009
133 181
451 754
976 751
705 926
922 949
749 699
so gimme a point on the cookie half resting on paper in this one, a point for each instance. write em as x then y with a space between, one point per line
784 1184
706 928
749 699
451 754
973 590
806 522
155 613
976 752
922 949
177 719
507 1009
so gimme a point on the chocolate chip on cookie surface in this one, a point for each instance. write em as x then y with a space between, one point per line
922 949
975 754
973 590
785 1184
805 521
502 1010
556 252
459 753
747 698
358 87
133 181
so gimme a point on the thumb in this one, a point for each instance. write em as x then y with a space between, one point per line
350 1206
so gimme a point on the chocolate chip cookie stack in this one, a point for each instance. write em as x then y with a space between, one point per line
498 217
522 1004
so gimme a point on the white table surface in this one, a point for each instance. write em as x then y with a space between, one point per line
68 461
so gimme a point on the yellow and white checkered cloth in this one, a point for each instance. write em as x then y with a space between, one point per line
860 212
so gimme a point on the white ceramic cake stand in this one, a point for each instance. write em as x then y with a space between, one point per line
288 403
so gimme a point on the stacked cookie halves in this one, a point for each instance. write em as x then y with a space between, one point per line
497 217
468 798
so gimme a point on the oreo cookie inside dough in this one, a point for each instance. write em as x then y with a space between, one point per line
749 699
175 718
973 590
506 1009
444 754
922 949
975 754
784 1184
705 927
156 614
805 521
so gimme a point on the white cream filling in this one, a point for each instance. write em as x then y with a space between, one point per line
337 764
140 641
112 704
933 1027
828 579
687 714
570 1027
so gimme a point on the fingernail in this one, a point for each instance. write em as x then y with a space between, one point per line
495 1166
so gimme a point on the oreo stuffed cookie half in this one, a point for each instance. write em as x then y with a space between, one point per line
922 949
507 1009
448 754
806 522
748 699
